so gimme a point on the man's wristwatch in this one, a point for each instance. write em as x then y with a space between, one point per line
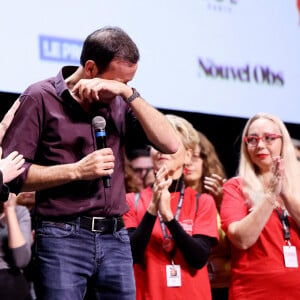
133 96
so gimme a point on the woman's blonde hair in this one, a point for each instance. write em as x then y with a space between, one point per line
253 187
189 135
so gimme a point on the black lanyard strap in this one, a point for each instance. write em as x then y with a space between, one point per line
177 213
285 223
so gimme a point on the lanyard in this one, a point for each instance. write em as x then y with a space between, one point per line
285 224
177 213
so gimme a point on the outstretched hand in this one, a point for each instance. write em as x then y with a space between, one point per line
11 166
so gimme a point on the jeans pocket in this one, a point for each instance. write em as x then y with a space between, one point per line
54 229
122 235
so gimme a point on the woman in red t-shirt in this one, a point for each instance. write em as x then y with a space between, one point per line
171 231
260 214
205 173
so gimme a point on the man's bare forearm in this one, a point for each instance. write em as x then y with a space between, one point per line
44 177
157 128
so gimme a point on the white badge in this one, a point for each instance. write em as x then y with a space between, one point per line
290 256
173 275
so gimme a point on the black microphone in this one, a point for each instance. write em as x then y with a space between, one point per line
99 124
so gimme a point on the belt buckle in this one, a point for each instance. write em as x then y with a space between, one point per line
93 223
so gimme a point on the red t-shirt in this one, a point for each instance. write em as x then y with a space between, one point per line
151 279
259 272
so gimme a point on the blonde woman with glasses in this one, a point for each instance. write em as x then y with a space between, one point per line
260 214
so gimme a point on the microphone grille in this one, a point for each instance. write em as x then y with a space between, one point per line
99 122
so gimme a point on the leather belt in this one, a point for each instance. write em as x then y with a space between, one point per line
102 225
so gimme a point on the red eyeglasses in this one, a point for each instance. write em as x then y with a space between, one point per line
268 139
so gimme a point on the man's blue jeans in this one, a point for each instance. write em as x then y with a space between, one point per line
69 256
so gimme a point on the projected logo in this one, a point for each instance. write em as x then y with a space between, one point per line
221 5
246 74
59 49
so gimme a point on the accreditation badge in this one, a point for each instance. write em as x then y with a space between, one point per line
290 256
173 275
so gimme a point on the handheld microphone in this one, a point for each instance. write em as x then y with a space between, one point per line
99 124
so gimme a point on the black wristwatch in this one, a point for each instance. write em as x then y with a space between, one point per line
135 95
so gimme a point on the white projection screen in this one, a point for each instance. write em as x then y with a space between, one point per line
222 57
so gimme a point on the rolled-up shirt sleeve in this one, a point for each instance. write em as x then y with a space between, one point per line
23 136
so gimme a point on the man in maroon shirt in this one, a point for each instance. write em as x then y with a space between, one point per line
80 232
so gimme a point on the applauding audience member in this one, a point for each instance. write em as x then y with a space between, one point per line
260 214
171 232
205 174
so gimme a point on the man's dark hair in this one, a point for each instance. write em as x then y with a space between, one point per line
107 43
138 152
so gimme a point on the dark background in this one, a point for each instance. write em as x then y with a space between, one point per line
223 132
